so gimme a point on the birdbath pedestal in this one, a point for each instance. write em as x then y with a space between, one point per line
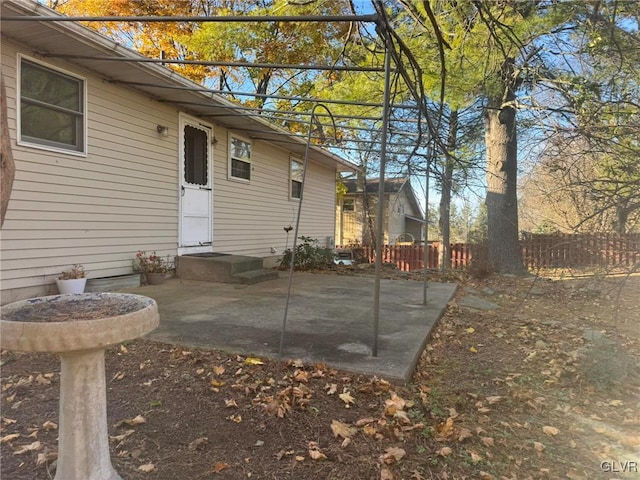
79 327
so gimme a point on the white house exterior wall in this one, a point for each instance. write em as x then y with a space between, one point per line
350 224
249 218
397 221
99 209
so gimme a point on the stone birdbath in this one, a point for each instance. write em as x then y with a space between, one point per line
79 327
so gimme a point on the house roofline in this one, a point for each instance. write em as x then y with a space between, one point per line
96 41
405 183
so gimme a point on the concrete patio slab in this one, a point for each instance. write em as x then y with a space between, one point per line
330 319
475 303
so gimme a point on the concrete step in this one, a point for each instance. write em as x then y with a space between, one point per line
212 267
256 276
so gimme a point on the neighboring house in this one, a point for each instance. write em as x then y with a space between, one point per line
403 218
113 157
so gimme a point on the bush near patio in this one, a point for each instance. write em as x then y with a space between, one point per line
308 256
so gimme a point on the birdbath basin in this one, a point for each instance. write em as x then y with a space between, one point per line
79 327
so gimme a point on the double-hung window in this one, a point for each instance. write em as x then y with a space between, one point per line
348 205
297 170
52 108
239 159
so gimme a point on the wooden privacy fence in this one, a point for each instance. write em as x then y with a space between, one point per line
461 254
554 250
580 250
405 257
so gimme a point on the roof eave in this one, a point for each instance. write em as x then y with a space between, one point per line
198 102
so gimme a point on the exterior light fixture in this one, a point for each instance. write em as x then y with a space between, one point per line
163 130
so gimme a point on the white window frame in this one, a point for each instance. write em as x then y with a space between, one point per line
352 202
82 152
301 163
230 176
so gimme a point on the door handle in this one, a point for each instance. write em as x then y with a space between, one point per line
182 194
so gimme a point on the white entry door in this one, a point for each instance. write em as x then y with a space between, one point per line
196 186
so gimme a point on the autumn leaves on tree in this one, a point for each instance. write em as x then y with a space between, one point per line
539 72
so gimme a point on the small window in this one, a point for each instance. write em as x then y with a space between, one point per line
52 108
297 170
348 205
240 159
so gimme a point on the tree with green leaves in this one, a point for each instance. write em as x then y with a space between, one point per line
154 40
598 82
517 56
498 53
482 49
251 42
275 42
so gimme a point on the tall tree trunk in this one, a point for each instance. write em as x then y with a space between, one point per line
368 232
622 216
445 198
505 255
7 165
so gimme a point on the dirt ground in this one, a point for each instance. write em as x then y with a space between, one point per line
547 385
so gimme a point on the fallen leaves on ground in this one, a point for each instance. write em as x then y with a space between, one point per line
315 453
496 394
198 443
551 431
347 398
343 430
147 467
137 420
392 455
28 448
220 466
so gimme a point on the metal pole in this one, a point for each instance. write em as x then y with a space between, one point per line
297 227
208 63
426 233
197 18
383 159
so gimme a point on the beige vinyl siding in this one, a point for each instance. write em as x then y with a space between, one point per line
355 224
395 219
249 218
123 196
96 210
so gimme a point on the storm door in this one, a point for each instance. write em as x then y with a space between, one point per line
196 186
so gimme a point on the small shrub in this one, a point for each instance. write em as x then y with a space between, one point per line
75 272
309 256
151 263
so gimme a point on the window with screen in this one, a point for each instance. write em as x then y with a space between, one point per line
297 170
51 108
348 205
239 159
